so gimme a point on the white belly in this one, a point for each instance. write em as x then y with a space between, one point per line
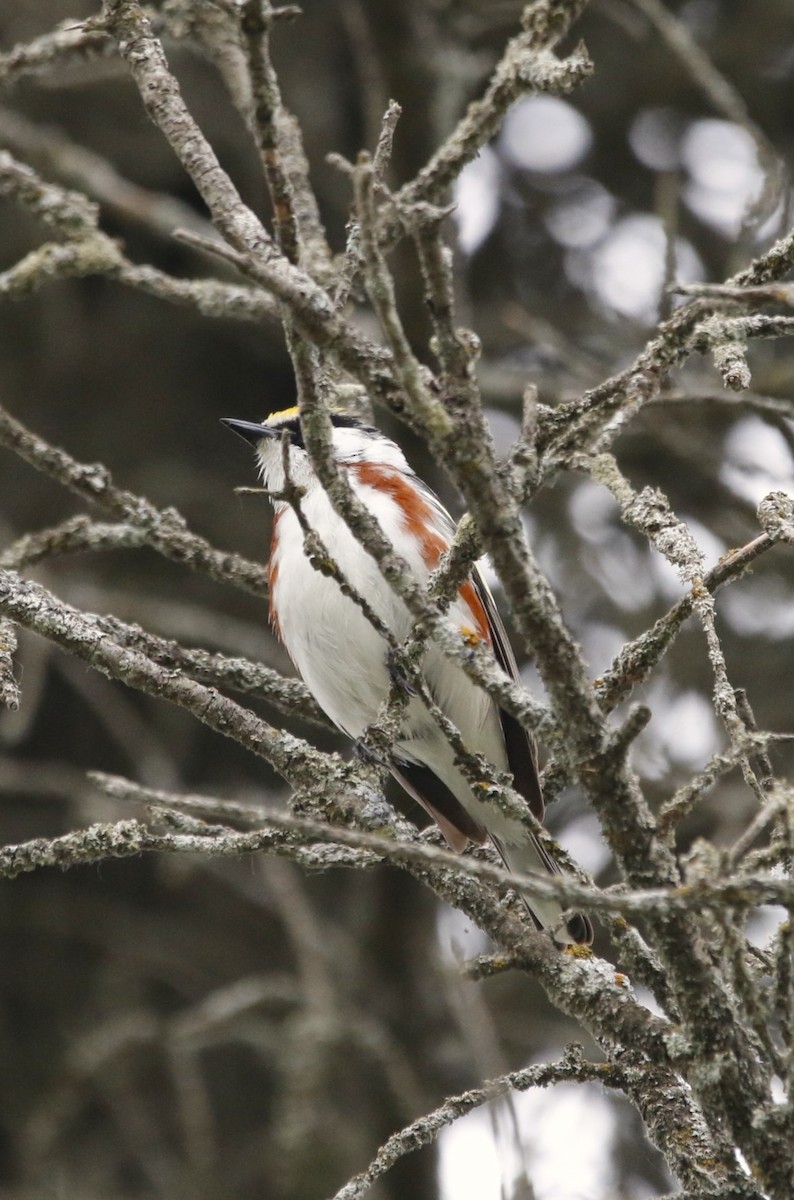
339 655
343 660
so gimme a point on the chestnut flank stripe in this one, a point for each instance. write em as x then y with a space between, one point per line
468 594
417 517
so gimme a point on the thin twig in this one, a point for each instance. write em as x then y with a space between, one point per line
9 688
164 529
425 1130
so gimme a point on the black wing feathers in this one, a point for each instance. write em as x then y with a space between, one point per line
458 827
519 743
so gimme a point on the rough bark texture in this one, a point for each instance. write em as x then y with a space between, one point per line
229 969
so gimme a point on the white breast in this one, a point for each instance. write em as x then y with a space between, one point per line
334 647
343 660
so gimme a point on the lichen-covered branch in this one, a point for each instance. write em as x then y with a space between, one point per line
9 688
164 529
425 1130
37 609
528 64
702 1075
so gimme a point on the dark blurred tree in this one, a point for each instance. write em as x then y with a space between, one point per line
196 1024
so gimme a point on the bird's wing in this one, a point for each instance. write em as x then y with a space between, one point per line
457 826
519 743
522 760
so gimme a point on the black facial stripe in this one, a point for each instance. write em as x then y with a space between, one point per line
338 420
293 426
346 421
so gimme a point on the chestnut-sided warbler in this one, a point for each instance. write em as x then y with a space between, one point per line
344 659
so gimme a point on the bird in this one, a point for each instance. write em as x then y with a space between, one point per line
343 657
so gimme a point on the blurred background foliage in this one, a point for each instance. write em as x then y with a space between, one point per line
234 1029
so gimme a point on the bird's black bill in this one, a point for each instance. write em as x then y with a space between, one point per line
252 432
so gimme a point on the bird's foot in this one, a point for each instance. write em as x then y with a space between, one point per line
366 753
398 675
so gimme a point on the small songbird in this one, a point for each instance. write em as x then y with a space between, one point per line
344 660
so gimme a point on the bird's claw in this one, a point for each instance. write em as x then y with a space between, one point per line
366 754
398 676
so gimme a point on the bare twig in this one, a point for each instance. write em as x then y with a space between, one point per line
638 658
164 529
426 1129
9 688
528 64
35 608
72 41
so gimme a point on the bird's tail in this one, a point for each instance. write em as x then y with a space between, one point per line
528 856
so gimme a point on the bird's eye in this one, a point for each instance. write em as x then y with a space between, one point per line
293 428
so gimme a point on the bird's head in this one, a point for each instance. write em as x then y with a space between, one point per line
353 442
